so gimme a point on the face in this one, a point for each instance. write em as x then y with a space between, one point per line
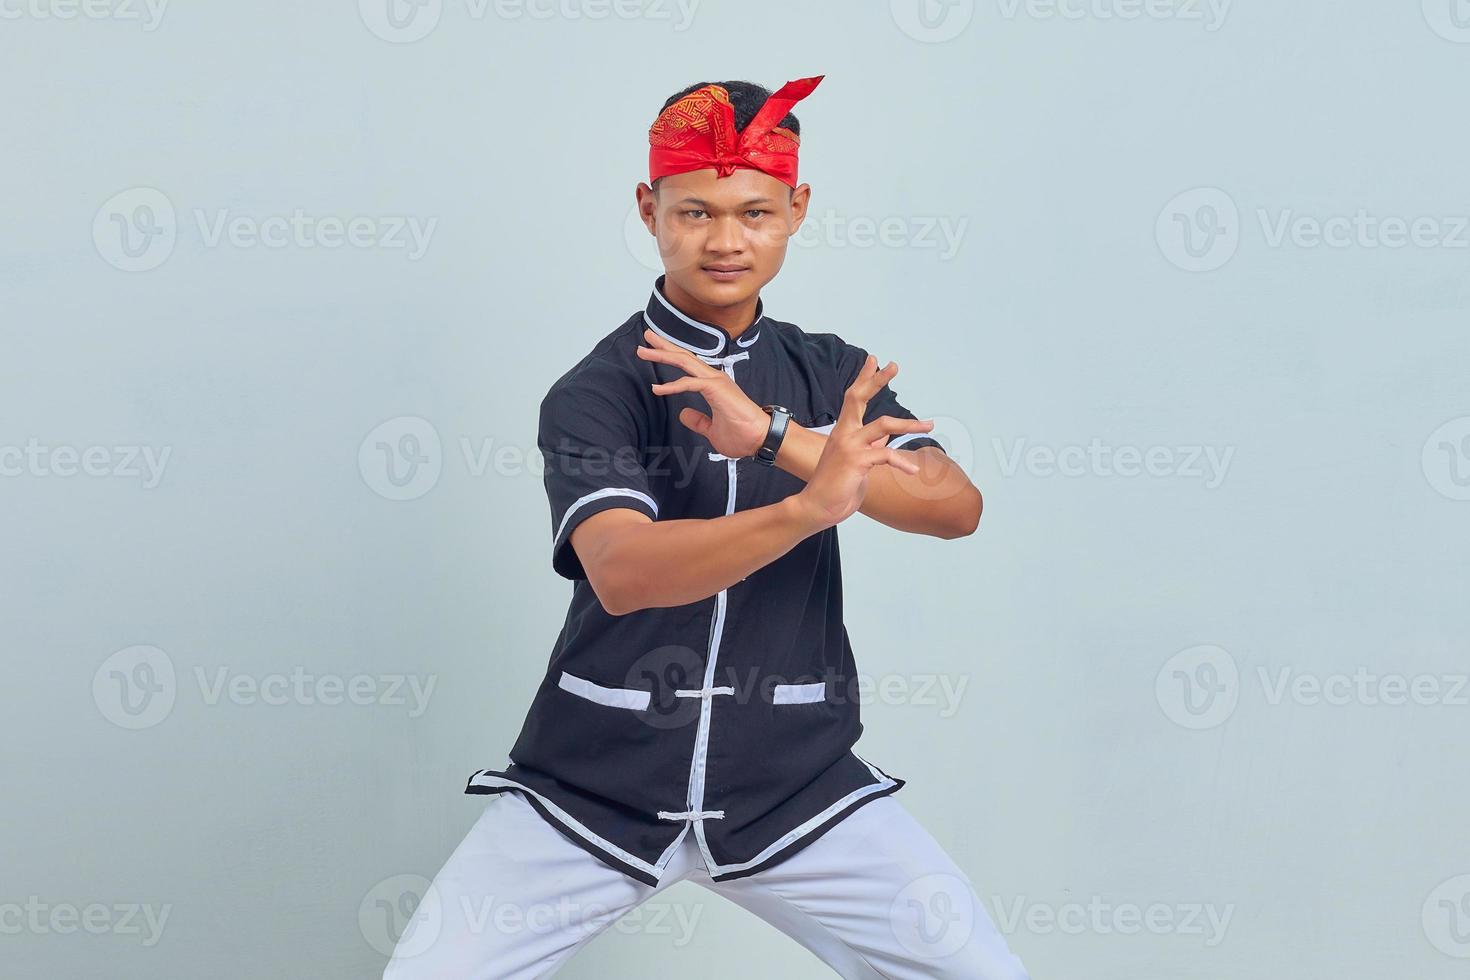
722 239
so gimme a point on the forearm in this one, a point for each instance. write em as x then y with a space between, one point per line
938 500
671 563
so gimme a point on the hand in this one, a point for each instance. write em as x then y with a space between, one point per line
736 426
839 482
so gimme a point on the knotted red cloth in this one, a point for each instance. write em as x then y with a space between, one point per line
698 133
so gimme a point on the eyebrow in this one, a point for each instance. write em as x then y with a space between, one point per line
743 204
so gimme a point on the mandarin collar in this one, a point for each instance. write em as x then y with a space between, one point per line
704 339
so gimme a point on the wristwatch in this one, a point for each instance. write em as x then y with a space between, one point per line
780 415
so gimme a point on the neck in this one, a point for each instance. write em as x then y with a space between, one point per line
734 319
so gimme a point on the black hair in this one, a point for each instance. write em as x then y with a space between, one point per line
747 99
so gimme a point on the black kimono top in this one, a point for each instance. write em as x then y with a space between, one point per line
733 717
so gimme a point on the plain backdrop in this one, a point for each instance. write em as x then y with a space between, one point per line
1184 286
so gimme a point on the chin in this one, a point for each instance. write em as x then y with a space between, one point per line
725 293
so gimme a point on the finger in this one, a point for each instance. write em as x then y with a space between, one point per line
681 384
685 363
666 353
893 425
899 459
896 458
696 420
868 383
855 399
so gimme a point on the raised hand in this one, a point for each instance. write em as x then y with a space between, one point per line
840 480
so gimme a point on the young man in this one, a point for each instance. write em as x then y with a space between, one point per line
698 714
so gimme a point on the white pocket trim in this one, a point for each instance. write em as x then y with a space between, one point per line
613 697
799 693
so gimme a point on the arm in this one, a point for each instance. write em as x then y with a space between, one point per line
633 562
938 500
928 494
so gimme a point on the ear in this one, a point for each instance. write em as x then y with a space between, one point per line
800 199
646 198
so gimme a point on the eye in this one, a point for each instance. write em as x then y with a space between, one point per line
755 212
693 213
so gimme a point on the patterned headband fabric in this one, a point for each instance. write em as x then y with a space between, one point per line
698 133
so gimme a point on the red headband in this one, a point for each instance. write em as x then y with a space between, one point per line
698 133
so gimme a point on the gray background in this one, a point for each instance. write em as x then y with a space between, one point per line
1136 650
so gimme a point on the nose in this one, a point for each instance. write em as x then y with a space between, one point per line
726 235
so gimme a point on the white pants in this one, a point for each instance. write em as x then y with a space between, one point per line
874 897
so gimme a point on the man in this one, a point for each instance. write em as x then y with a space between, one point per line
698 714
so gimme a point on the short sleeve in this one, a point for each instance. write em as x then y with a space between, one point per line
589 442
884 403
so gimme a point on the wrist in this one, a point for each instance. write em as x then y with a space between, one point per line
778 424
803 515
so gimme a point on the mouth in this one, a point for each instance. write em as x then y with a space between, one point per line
721 272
